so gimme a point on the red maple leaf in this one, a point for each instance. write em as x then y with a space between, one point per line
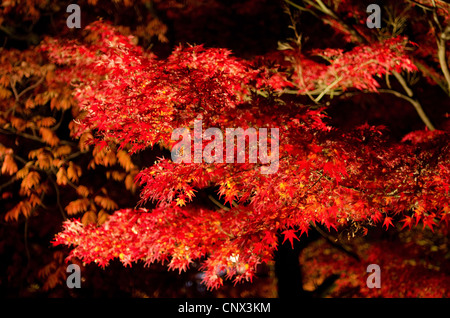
289 235
407 222
387 222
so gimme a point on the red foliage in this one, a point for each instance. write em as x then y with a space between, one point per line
325 176
414 265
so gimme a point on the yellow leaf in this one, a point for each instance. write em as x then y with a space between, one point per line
109 159
91 164
57 162
180 202
41 99
64 103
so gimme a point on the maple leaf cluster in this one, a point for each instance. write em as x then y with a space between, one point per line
325 177
341 70
151 96
34 105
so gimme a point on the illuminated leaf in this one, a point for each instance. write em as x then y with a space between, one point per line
9 166
77 206
49 136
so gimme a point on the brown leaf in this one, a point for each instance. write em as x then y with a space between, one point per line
77 206
106 203
103 216
89 217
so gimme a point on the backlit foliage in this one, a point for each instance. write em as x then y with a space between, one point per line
325 176
78 108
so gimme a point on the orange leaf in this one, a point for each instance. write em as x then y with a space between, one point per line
48 136
23 207
18 123
73 171
129 182
31 180
89 217
102 217
77 206
84 140
61 176
83 191
125 160
105 203
46 122
117 175
9 165
62 151
44 161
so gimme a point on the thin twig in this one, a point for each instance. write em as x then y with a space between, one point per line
58 200
11 181
31 87
220 205
339 246
443 60
327 89
412 100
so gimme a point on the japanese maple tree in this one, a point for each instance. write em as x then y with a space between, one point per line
328 177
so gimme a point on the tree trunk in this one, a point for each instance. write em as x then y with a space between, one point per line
288 269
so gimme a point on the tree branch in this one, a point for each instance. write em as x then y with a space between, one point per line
443 57
413 102
58 200
31 87
410 99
